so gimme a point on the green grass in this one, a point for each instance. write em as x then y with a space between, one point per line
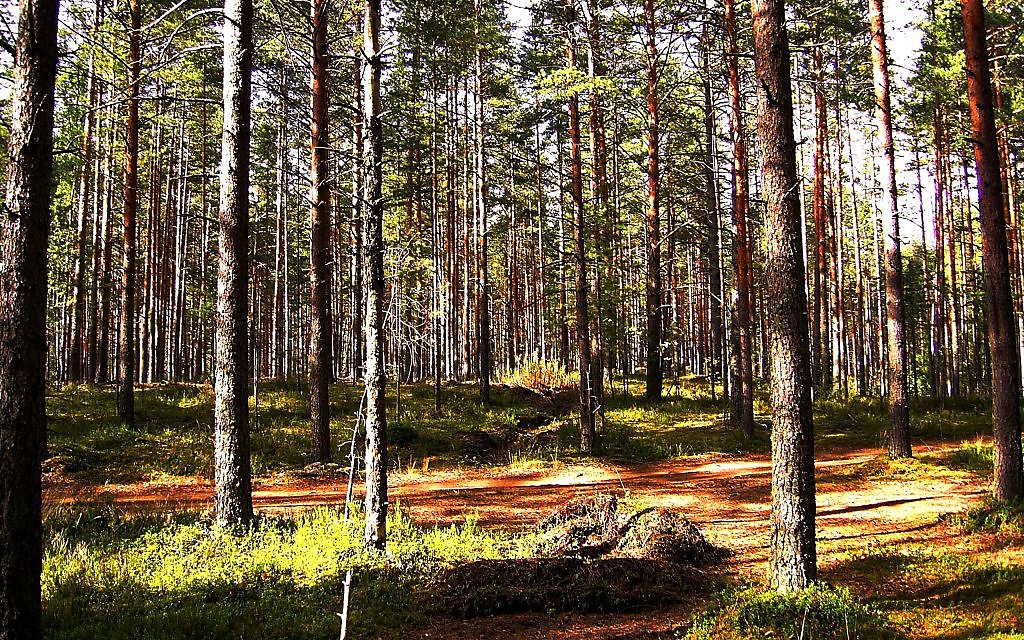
821 611
173 434
117 574
941 594
172 576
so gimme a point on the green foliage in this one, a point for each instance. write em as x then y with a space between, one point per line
974 456
935 594
1000 518
821 611
179 576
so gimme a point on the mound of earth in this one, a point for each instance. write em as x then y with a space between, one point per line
595 526
590 557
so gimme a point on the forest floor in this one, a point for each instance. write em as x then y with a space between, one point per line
885 529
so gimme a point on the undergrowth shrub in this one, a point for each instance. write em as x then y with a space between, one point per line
820 612
541 374
992 517
108 575
974 456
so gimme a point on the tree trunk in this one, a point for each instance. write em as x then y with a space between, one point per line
84 198
655 373
587 424
480 194
898 436
232 467
24 234
356 225
277 340
1008 483
319 245
793 561
820 323
375 534
740 202
128 333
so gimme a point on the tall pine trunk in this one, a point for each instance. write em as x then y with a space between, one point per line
587 422
319 245
1008 483
232 467
793 558
128 333
24 234
375 534
898 436
744 400
655 373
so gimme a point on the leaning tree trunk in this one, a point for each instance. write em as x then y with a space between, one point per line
319 246
232 467
793 561
898 436
128 333
375 534
744 403
24 233
1002 335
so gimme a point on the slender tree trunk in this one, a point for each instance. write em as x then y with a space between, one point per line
24 234
375 534
277 341
740 203
319 244
1008 483
480 192
84 198
599 199
232 467
713 238
898 436
793 557
128 333
587 425
356 225
655 373
103 348
820 324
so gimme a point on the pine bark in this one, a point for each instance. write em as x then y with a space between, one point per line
655 319
587 422
793 560
1008 484
898 435
744 400
24 234
78 350
232 466
319 244
483 302
375 534
128 331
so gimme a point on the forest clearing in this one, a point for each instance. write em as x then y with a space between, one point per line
908 539
614 319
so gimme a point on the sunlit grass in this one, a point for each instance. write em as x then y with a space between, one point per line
109 575
941 594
